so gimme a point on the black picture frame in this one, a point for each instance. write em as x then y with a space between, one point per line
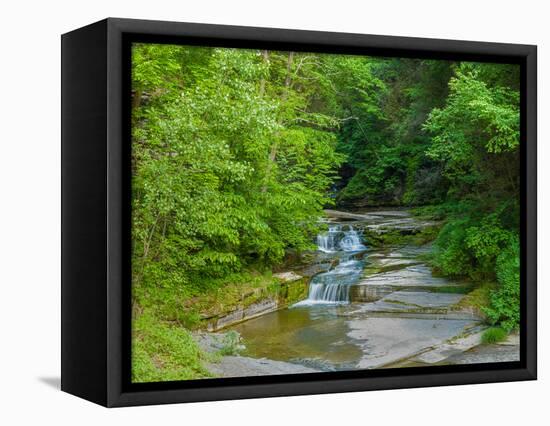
96 212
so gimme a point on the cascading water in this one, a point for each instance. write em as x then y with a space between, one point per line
339 237
351 241
326 242
333 286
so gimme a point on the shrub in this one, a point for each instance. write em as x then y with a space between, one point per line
504 301
482 248
450 256
469 246
231 344
494 335
485 241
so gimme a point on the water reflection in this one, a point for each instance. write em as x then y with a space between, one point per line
314 336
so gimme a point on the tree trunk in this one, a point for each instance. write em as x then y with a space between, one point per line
136 100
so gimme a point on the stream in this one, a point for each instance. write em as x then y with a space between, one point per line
374 309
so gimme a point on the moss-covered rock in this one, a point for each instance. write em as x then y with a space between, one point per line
277 295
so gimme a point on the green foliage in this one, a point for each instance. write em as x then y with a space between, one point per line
494 335
504 301
233 152
476 135
469 245
475 138
188 305
474 114
485 241
163 352
429 131
229 169
385 144
483 248
450 257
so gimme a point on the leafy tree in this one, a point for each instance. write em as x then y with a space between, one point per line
231 161
475 137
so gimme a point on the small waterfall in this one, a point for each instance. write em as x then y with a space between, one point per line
333 286
327 242
351 241
339 239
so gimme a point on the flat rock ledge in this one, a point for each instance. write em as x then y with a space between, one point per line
465 349
239 366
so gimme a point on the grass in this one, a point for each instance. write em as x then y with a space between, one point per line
163 351
476 299
494 335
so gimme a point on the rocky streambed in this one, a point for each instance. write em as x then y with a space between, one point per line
375 307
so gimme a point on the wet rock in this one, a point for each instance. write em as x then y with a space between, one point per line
226 320
363 293
317 268
239 366
423 299
262 307
240 314
511 340
396 263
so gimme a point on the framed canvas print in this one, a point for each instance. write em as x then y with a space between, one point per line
253 212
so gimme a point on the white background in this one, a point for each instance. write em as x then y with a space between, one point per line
30 211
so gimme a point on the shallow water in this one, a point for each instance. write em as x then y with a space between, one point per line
311 335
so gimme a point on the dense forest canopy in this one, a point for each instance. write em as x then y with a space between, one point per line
236 153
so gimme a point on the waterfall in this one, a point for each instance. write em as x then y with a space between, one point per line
327 242
333 286
351 241
339 239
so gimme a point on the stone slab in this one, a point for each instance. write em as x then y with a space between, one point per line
387 340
